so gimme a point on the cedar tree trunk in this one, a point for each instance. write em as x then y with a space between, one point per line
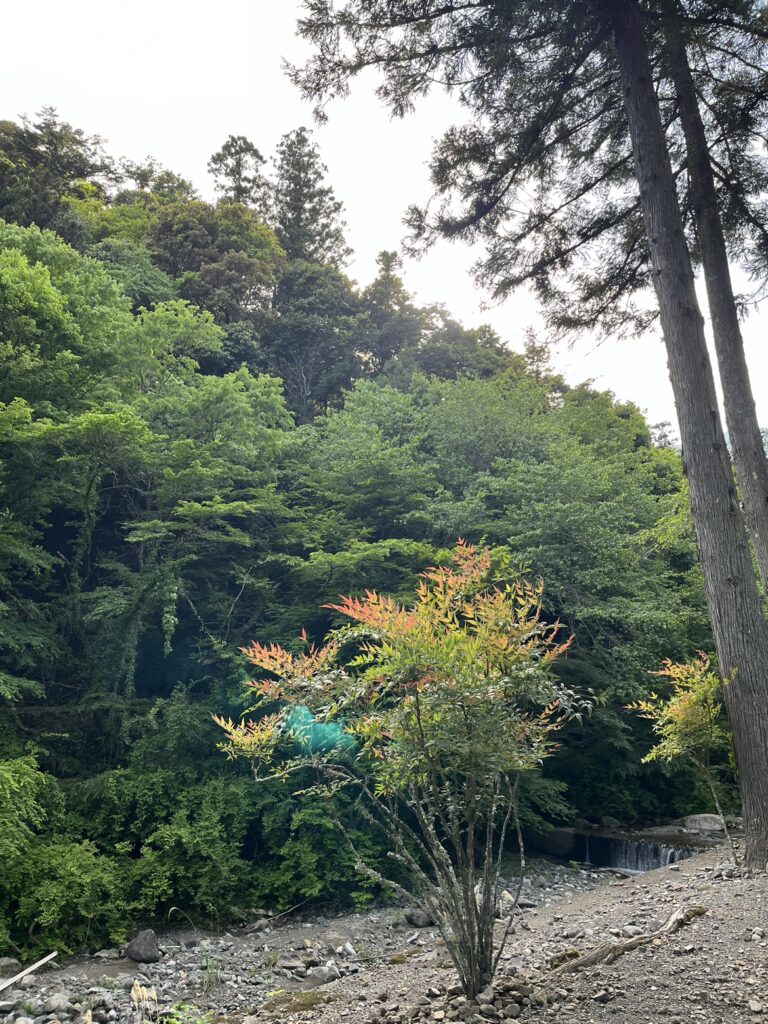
740 416
741 633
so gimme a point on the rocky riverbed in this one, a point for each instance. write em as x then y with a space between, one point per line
390 965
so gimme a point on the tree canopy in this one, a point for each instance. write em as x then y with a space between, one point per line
205 438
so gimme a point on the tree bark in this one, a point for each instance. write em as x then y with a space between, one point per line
746 441
741 633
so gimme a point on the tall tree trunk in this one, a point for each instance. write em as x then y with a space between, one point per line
741 634
740 416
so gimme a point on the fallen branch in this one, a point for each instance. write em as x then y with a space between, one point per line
27 970
609 951
249 928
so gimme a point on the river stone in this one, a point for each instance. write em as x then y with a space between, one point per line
417 918
322 975
9 966
663 830
143 948
57 1003
290 964
704 823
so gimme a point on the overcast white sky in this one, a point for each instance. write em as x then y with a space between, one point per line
173 78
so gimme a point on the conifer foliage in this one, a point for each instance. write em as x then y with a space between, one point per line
307 214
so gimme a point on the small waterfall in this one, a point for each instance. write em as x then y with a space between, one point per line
637 855
631 854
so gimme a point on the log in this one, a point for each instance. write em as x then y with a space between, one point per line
609 951
27 970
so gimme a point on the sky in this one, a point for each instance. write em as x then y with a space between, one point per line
173 79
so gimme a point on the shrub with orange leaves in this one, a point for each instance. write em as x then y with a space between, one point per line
437 709
689 722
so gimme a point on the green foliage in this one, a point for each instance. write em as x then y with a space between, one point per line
441 705
42 163
186 1013
691 722
306 212
158 505
69 895
312 343
21 784
236 170
129 264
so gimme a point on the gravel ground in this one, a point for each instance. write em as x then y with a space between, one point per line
712 971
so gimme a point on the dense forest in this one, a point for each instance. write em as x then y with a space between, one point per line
207 432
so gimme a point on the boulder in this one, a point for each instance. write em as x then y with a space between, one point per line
608 822
417 918
663 830
291 964
328 972
704 823
58 1003
144 948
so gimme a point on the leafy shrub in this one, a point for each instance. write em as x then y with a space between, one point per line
70 896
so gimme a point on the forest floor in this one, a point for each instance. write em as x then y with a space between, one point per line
714 970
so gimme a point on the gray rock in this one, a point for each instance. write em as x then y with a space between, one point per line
608 822
24 1020
289 964
322 975
418 918
144 948
663 830
631 931
262 925
9 965
107 954
58 1003
704 823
